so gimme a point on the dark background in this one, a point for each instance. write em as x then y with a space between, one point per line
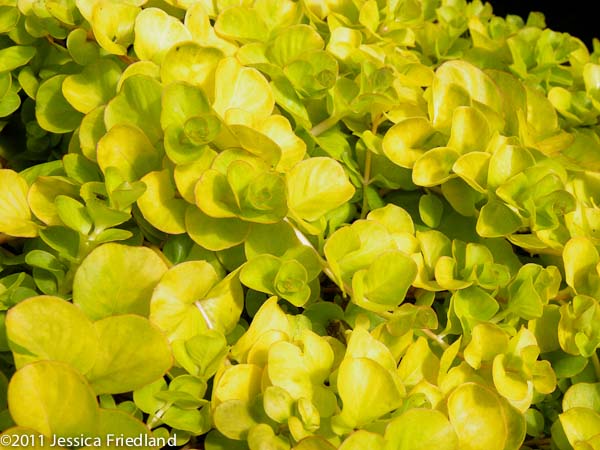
581 18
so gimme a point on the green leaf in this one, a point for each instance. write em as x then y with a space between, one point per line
127 148
15 56
317 186
36 403
138 103
81 50
93 87
418 429
131 354
49 328
52 110
215 233
117 279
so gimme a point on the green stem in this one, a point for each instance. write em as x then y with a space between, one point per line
324 126
596 363
430 334
367 175
365 183
346 289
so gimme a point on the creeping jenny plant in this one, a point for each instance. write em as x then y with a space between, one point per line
309 225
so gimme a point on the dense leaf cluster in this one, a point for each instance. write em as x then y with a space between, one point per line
277 224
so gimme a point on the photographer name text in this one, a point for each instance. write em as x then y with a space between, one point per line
112 440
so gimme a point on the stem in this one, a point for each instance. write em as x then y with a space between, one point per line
324 126
325 265
596 363
367 175
365 182
155 418
430 334
537 442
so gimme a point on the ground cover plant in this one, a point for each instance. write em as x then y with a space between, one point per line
297 225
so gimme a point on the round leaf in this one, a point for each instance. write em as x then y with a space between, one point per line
15 217
131 354
50 328
117 279
317 186
35 402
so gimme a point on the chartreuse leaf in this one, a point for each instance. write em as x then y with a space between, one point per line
15 56
367 390
584 395
15 216
576 334
82 51
241 24
419 363
476 414
418 429
50 328
43 195
580 424
212 304
155 33
204 353
244 88
191 63
93 87
404 143
470 130
159 204
580 259
137 103
117 279
291 43
316 186
52 110
113 24
215 233
268 319
434 166
173 306
487 341
458 83
132 353
496 219
34 401
384 284
127 148
363 439
120 423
